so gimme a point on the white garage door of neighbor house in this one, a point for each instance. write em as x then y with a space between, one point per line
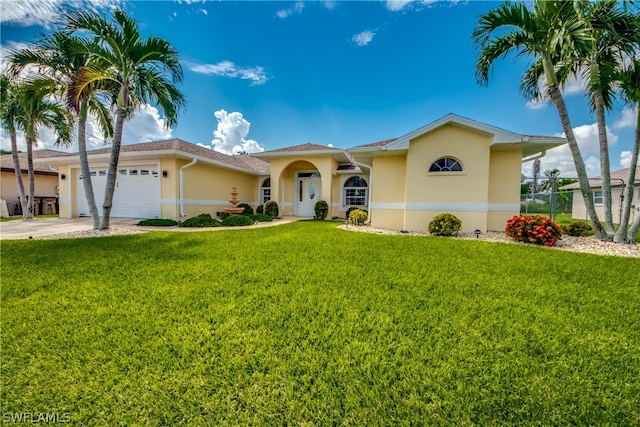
137 193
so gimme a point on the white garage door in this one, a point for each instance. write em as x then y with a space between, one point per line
137 193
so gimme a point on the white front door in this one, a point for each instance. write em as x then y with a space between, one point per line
308 192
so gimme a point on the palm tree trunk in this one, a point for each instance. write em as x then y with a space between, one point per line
84 165
621 236
32 180
16 167
112 170
605 171
633 231
581 171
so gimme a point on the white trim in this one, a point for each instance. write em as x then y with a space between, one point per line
64 201
473 207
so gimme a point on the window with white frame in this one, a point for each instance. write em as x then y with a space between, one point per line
355 191
265 191
597 197
446 164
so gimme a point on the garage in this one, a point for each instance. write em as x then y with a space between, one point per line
137 193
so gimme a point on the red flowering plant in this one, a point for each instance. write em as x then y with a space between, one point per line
536 229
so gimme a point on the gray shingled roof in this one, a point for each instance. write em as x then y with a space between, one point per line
377 144
616 176
6 161
242 161
303 147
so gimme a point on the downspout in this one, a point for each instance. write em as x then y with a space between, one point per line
536 157
193 162
363 165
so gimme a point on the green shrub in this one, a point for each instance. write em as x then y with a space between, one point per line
444 225
202 220
237 221
260 218
158 222
351 209
223 214
260 209
248 210
577 229
536 229
358 217
271 209
321 209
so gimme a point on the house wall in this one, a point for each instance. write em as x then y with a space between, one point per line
463 194
45 186
388 190
579 210
207 188
504 188
65 187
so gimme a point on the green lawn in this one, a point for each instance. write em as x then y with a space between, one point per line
306 324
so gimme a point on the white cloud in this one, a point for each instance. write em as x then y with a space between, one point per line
203 11
397 5
330 4
145 125
229 136
625 159
560 157
46 12
257 75
628 118
298 7
363 38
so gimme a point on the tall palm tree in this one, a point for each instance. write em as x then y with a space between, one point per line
630 87
616 34
62 56
38 110
10 112
136 68
549 32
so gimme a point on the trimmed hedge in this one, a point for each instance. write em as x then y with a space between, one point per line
577 229
248 210
202 220
321 210
358 217
260 218
237 221
444 225
271 209
158 222
260 209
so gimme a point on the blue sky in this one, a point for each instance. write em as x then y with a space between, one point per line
261 75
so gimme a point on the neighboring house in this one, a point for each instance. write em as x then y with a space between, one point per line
618 183
453 165
46 182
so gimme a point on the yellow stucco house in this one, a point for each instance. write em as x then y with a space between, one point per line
454 165
45 177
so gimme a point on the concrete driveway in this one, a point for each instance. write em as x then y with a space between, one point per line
18 229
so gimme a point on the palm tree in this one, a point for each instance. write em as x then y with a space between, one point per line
616 35
61 56
551 33
39 109
135 68
630 87
10 112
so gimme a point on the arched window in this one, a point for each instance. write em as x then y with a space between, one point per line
446 164
265 191
355 191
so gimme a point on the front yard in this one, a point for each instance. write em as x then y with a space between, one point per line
306 324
